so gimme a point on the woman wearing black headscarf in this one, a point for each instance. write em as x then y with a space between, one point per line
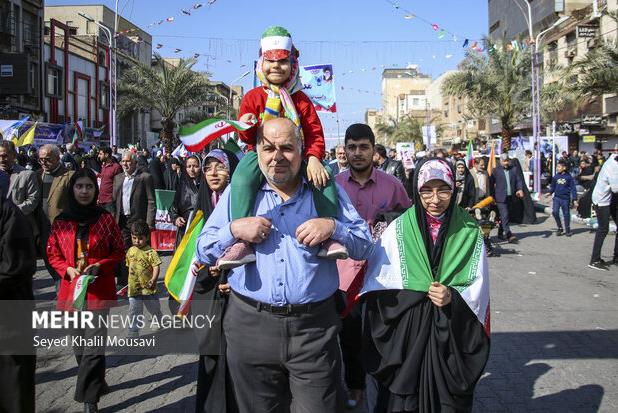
85 239
172 173
213 383
155 169
521 210
426 303
466 191
185 199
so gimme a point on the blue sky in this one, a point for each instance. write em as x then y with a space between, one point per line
356 36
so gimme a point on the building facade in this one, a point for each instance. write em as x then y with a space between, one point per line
76 78
592 125
21 59
508 18
133 45
404 92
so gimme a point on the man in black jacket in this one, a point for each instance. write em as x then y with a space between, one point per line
17 266
504 183
390 166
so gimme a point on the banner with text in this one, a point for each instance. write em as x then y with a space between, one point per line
319 86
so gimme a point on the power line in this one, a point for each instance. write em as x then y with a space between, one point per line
311 41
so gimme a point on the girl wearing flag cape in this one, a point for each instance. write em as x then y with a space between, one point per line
84 247
426 302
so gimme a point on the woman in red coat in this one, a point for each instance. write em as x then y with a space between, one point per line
85 239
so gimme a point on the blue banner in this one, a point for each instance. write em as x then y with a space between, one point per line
319 86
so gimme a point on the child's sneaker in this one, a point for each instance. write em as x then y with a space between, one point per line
568 234
333 250
560 232
240 253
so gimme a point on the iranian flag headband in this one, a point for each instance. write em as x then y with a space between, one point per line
276 43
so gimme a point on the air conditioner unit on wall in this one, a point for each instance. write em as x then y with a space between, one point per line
592 43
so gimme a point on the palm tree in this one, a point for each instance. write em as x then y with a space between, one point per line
406 129
497 83
165 88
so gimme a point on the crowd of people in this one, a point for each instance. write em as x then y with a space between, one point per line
300 237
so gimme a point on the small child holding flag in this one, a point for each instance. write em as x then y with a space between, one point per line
280 95
563 189
143 263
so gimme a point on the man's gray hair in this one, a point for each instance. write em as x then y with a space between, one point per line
341 145
53 149
297 134
132 156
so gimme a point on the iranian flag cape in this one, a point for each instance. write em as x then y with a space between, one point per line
429 357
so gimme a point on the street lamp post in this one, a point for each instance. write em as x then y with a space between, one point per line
112 80
535 105
536 93
230 102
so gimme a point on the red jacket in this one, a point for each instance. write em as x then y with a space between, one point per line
105 246
106 181
255 102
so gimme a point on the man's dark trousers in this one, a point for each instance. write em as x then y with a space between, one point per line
603 214
503 209
284 363
564 205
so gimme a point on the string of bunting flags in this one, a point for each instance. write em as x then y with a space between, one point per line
442 32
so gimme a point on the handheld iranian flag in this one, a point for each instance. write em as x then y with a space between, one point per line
196 137
469 154
80 290
163 238
179 278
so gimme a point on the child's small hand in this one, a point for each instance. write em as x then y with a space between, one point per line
151 283
316 172
248 118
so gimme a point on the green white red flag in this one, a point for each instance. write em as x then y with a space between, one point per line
196 137
80 290
179 278
163 237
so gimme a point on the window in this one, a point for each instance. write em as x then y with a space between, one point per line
102 58
104 95
53 80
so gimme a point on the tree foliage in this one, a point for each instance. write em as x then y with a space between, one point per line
497 83
406 129
162 87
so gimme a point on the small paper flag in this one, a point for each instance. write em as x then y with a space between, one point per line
465 43
435 26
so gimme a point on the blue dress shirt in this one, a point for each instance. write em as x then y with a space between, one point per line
285 271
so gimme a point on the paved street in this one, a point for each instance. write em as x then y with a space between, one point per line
554 339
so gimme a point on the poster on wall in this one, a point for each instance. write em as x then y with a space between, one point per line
319 86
